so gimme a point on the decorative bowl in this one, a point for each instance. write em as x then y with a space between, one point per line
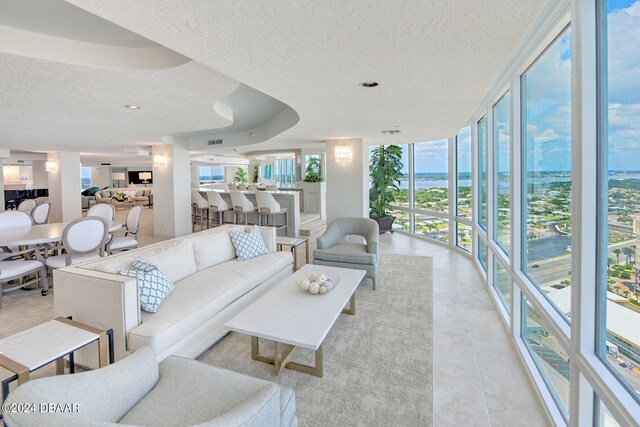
319 282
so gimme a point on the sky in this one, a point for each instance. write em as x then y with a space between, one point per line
547 85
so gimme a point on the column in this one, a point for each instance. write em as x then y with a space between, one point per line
171 189
63 173
347 177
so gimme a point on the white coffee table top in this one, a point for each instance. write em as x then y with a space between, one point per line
44 343
292 316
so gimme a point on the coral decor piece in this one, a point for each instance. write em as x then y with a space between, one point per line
319 283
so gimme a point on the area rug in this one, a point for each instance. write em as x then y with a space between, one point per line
378 364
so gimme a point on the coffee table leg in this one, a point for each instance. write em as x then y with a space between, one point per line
306 241
317 370
281 362
352 305
255 352
60 366
103 350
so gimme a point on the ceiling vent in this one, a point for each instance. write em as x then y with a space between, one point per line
390 131
214 142
105 164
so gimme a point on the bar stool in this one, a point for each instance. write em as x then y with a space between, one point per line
242 206
268 206
200 209
217 205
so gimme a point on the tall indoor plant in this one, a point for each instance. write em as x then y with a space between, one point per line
385 170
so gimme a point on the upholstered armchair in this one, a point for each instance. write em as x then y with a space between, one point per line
334 250
137 391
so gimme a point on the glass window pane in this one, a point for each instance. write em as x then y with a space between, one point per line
620 217
402 195
604 417
546 103
85 177
548 355
204 173
482 253
502 284
431 227
463 237
402 220
217 173
482 173
431 181
502 174
463 159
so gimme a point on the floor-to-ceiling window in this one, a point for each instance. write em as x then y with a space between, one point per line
85 177
482 173
619 296
546 170
210 174
502 173
463 161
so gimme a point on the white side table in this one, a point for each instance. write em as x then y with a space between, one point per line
293 243
36 347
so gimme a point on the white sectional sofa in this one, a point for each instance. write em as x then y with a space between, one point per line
211 286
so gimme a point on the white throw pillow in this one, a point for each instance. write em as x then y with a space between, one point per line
248 244
211 248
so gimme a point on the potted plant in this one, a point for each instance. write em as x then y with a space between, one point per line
312 172
241 176
385 170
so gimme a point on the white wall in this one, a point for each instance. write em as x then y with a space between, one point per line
172 190
347 182
40 177
101 176
64 187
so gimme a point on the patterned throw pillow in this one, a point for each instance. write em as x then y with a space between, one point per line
248 244
153 285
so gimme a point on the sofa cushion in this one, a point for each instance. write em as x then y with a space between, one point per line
248 244
201 296
354 253
211 248
174 257
153 285
192 393
177 262
139 193
146 192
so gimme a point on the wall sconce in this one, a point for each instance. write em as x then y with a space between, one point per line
159 160
51 166
343 153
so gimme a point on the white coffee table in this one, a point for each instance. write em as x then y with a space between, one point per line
288 315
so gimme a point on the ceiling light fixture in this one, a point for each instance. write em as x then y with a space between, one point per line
132 107
369 84
390 131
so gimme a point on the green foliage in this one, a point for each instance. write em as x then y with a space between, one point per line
256 173
313 172
241 176
385 171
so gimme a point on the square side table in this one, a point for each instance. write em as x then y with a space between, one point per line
36 347
293 243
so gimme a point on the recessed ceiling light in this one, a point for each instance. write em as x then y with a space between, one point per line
369 84
132 107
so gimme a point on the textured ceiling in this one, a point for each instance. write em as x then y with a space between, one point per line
433 59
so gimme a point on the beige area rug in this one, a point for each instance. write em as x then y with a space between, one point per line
378 364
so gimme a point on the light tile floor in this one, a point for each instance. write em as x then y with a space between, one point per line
479 379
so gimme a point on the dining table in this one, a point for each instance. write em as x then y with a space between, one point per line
40 234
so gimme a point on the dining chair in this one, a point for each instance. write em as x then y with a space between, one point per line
217 205
41 200
268 206
252 188
232 187
123 243
102 210
40 214
11 220
242 187
27 205
83 240
199 209
13 269
241 206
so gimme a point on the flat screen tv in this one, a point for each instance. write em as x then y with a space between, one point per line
137 177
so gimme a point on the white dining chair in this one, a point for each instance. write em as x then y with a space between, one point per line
11 220
199 209
123 243
241 206
27 205
102 210
269 207
218 206
10 270
83 240
40 214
